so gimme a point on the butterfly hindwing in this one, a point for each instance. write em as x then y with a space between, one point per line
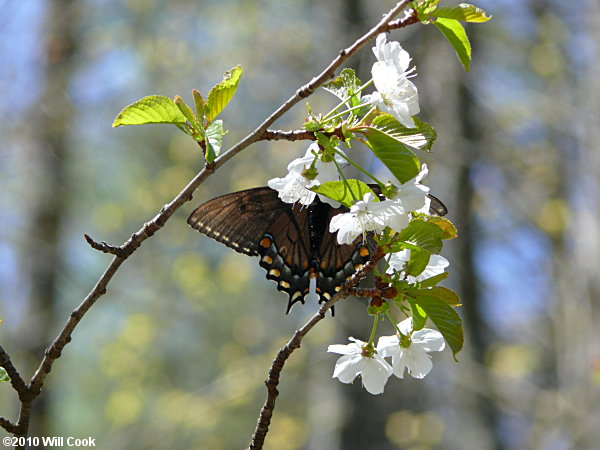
284 252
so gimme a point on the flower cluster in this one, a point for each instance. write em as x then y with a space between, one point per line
294 187
408 349
370 214
382 213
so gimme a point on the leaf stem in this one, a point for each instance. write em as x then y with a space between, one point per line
345 179
373 330
356 166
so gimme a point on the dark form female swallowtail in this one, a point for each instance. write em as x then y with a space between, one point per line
292 241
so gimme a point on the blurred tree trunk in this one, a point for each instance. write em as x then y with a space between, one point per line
448 104
49 127
572 129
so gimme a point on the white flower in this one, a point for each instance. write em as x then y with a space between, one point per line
374 370
365 215
436 265
412 195
368 215
391 51
294 186
395 94
414 357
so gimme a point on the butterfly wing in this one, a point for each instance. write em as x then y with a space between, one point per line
338 262
292 241
257 223
284 251
240 219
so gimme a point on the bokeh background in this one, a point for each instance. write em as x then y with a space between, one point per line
174 356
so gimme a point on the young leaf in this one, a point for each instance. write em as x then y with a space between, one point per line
448 229
344 192
448 296
418 316
345 86
417 262
423 234
220 95
185 109
214 139
151 109
455 33
463 12
434 280
420 137
424 8
401 161
199 103
446 320
3 375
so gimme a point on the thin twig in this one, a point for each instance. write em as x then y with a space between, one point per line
295 135
8 425
104 247
16 381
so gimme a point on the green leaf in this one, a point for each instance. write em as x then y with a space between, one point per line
401 161
151 109
446 320
419 318
345 192
421 233
455 33
214 139
463 12
185 109
448 296
421 137
417 262
199 102
3 375
345 86
448 229
220 95
432 281
424 8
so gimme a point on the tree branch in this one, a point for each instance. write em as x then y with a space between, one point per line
104 247
8 426
15 378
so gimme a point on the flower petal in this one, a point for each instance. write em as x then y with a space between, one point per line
375 374
428 340
406 326
399 362
348 367
418 362
346 349
388 345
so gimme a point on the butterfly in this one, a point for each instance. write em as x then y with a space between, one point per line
292 241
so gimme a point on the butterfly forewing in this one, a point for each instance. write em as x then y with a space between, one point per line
239 219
